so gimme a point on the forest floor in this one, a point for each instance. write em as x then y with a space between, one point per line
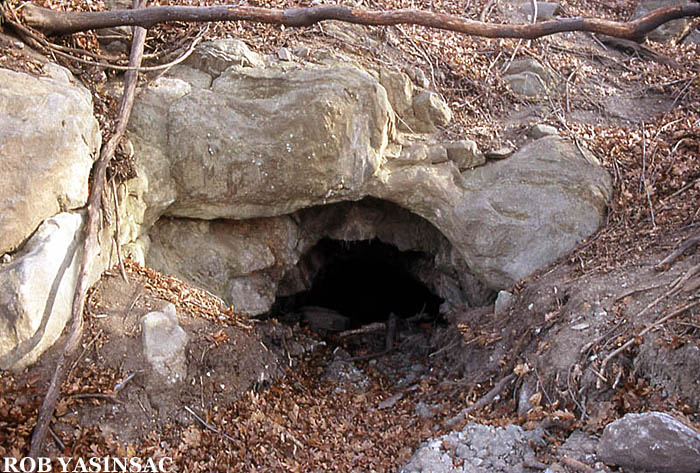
265 396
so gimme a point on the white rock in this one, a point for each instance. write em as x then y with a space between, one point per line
164 343
36 290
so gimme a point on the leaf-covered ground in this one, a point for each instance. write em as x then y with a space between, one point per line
639 117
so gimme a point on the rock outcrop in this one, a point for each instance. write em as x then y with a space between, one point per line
48 141
239 159
246 141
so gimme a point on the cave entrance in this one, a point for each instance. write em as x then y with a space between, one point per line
364 281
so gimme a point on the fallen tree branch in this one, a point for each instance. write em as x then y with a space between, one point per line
90 246
37 41
60 22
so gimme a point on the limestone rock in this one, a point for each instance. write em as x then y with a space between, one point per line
284 54
545 10
273 141
36 290
509 217
229 258
464 153
164 343
399 90
419 110
475 449
652 441
499 153
48 141
542 130
503 302
260 142
213 57
147 196
431 112
423 153
554 199
529 78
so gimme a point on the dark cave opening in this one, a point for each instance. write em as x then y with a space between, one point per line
365 281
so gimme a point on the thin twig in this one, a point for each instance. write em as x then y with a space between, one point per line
644 176
59 443
117 233
365 329
667 261
122 384
107 397
485 400
486 10
656 324
207 425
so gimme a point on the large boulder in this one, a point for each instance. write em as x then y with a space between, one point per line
509 217
268 141
48 141
260 141
36 289
651 441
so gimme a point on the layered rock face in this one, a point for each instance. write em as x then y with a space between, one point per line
238 137
49 139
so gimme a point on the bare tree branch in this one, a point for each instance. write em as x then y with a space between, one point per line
90 245
58 22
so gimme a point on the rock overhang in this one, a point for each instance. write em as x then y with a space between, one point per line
266 141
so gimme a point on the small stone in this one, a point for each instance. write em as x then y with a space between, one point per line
164 343
545 10
528 77
424 411
541 130
652 441
500 153
503 302
464 153
322 318
526 83
302 51
6 258
431 109
418 77
284 54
